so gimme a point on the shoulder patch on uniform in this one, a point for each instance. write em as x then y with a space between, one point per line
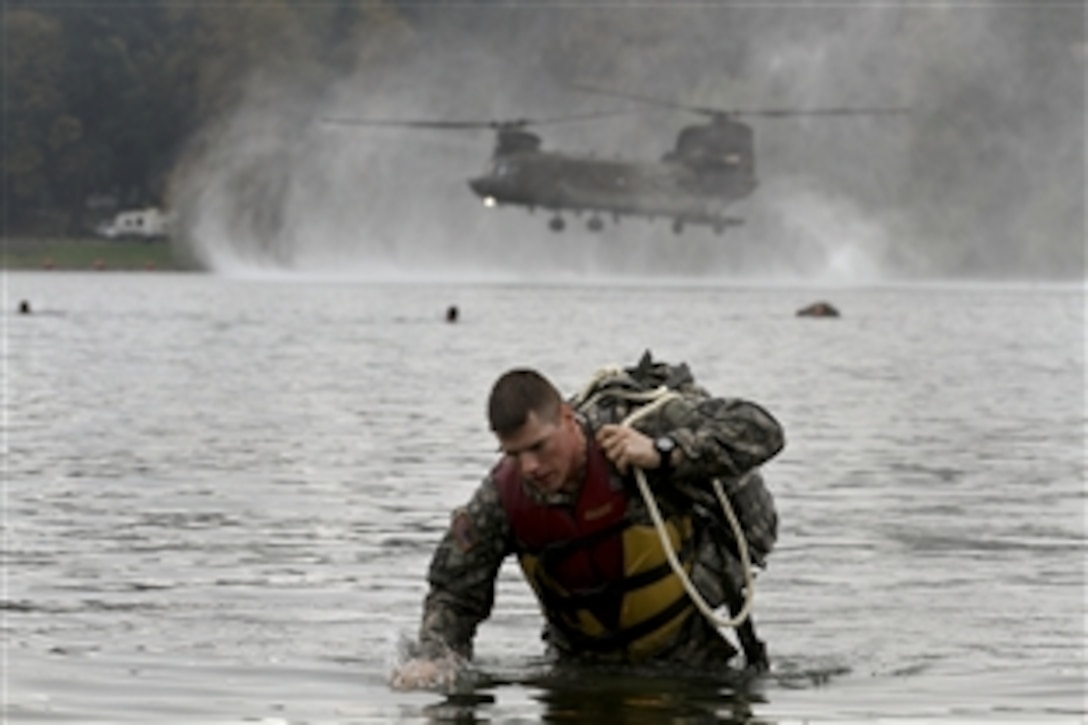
463 530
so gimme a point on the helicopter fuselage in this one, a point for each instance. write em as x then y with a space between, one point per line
675 188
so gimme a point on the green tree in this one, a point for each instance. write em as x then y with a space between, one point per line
108 99
39 132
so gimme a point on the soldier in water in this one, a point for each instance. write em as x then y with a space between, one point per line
564 500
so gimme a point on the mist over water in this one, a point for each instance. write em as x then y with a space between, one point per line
984 178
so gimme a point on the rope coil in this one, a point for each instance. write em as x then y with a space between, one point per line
656 399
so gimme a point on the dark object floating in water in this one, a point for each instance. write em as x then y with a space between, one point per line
818 309
452 313
24 308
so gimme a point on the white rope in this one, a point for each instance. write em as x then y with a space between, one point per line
659 398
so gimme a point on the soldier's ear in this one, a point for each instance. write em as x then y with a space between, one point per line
566 412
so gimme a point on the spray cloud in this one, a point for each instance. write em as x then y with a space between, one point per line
984 177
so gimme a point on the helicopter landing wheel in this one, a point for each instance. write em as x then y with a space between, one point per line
557 224
678 226
594 224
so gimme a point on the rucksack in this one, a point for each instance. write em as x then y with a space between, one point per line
614 393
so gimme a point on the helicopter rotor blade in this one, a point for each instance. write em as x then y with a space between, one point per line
507 125
725 113
414 123
578 117
788 112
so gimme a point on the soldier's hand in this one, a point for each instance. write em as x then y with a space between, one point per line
427 674
627 447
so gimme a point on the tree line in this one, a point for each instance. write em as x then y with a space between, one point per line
100 99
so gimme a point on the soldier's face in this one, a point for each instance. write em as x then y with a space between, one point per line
546 451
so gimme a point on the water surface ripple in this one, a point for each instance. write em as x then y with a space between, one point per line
221 495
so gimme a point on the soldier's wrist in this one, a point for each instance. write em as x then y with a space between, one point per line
665 446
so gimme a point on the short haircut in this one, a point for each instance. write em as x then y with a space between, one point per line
517 393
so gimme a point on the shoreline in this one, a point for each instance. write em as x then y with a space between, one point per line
90 253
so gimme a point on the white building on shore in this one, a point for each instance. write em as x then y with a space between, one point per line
149 223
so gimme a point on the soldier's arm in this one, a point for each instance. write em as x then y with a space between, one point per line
462 574
717 437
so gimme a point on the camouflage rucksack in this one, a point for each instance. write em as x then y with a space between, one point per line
615 393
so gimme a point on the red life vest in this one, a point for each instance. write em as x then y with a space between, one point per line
602 581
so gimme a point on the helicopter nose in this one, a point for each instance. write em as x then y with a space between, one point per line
484 188
480 186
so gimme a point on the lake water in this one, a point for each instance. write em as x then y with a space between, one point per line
221 495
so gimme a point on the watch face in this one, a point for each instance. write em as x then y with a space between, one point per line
664 444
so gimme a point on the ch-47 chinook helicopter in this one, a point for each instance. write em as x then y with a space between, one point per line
711 166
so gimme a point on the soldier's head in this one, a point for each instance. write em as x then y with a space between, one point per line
537 427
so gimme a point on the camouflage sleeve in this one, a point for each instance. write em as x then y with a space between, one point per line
462 574
719 437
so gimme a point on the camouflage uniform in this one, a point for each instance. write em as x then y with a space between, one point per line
720 438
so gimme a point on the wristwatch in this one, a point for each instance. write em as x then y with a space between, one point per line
664 447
